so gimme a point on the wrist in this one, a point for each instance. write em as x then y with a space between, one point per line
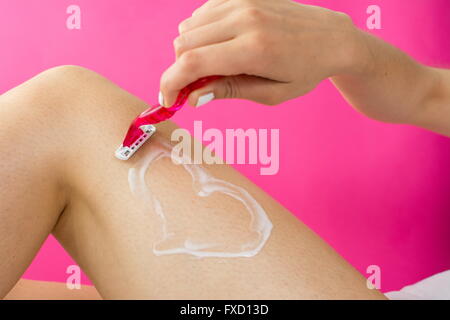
355 57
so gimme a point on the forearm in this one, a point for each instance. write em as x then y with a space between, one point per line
386 84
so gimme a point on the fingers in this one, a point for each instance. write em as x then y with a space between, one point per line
223 58
209 5
209 34
205 17
210 44
252 88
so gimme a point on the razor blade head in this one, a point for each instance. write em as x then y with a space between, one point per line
126 152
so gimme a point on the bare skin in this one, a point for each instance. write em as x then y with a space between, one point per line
61 177
274 51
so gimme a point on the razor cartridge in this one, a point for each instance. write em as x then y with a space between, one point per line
126 152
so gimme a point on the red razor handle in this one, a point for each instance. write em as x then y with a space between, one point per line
158 113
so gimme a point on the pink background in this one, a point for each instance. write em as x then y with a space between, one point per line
378 193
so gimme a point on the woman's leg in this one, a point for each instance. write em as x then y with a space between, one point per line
61 130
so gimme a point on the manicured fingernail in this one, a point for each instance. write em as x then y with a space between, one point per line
161 98
205 99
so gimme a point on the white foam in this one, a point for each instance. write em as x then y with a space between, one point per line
204 185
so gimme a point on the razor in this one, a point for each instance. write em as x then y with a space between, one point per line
142 128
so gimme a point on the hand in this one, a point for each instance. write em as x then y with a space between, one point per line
269 51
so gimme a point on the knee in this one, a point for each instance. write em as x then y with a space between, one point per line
72 93
64 72
68 103
86 92
43 105
48 91
65 84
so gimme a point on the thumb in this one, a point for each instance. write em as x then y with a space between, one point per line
261 90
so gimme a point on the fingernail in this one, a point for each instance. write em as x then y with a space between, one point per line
205 99
161 98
